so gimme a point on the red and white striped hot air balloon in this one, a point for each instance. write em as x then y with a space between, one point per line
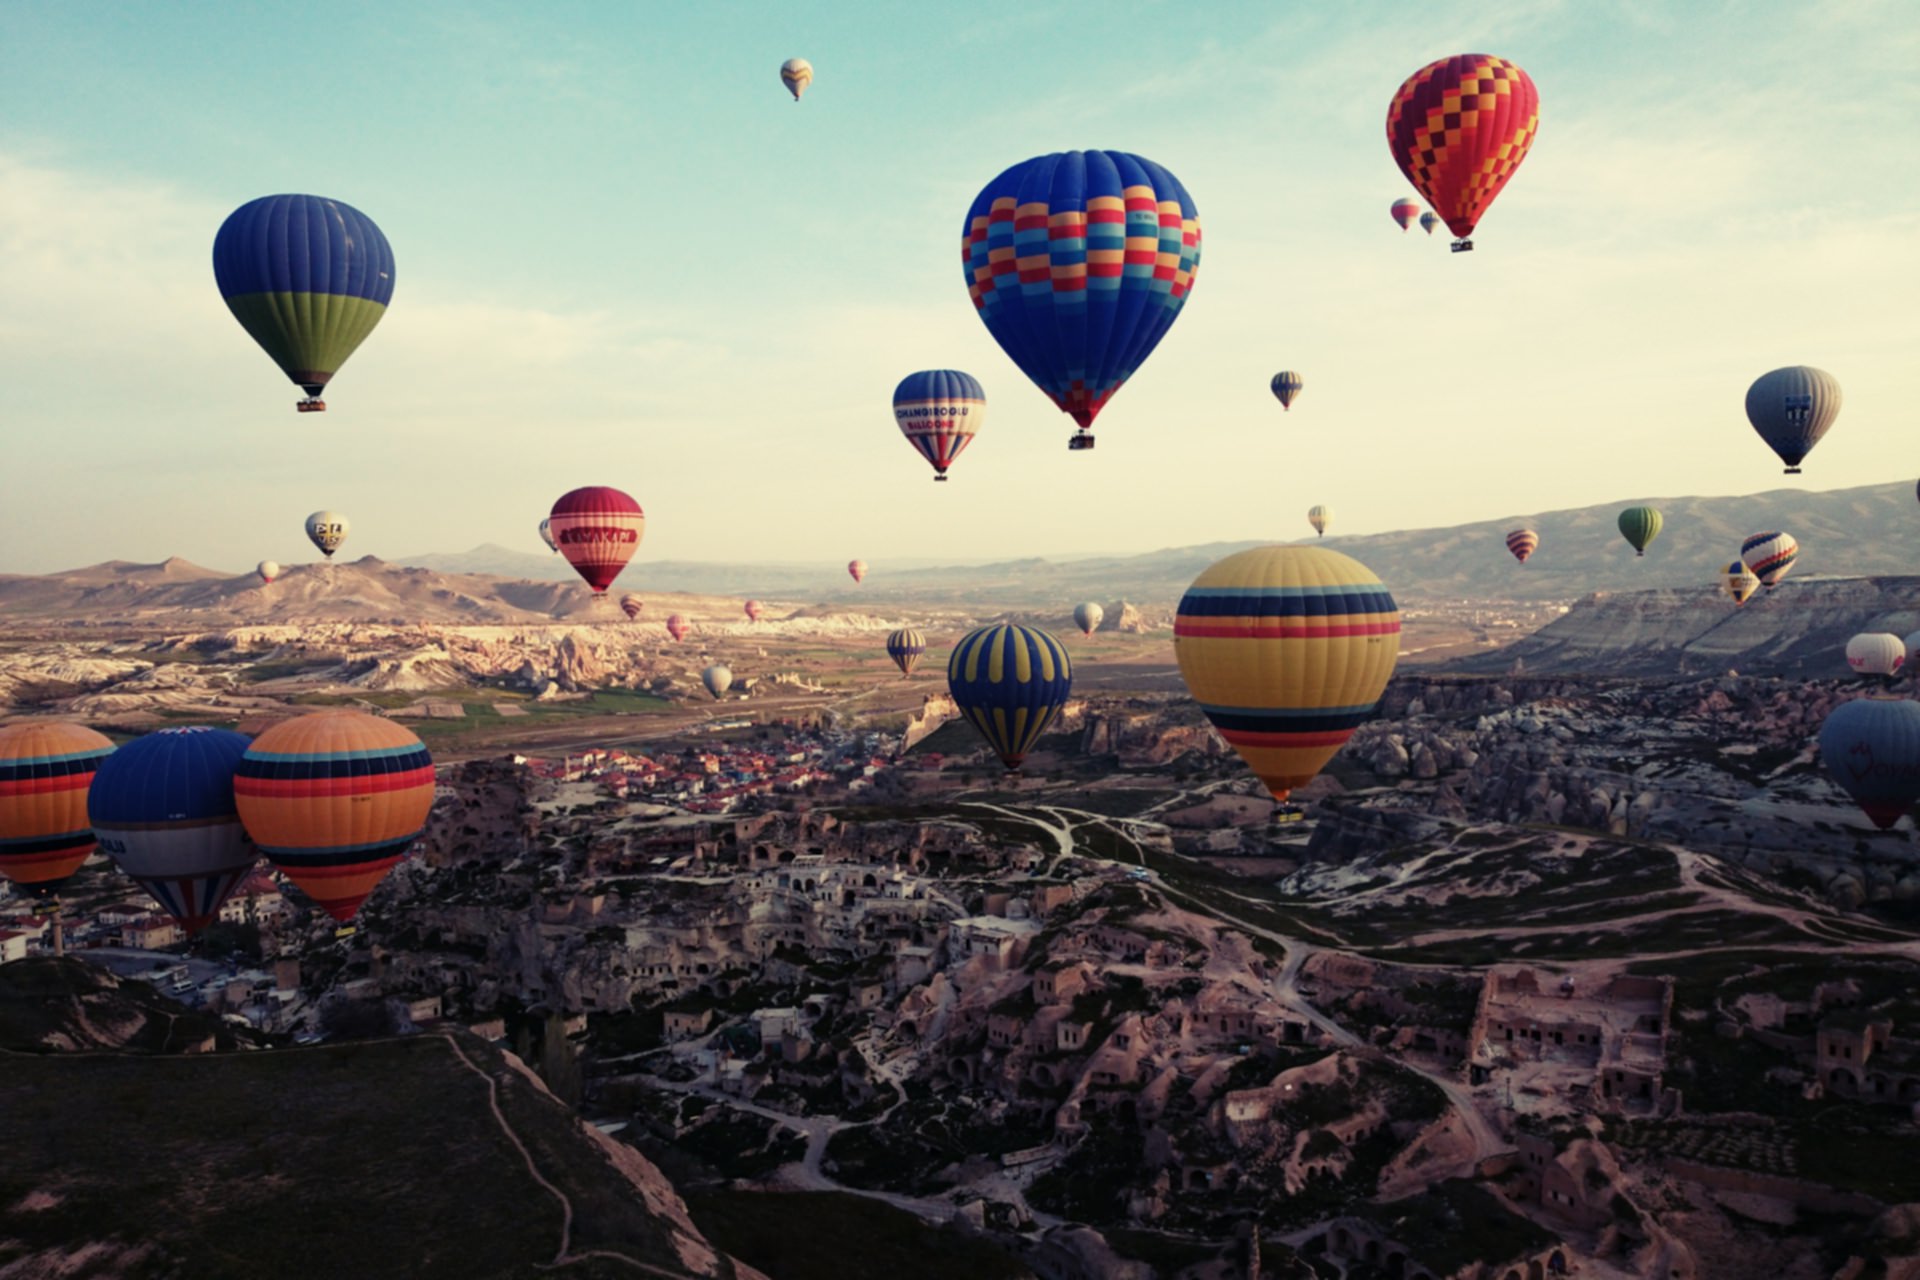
857 569
754 610
597 529
678 626
1523 543
631 605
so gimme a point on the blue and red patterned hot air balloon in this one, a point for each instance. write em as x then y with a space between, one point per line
1458 128
1079 262
308 278
938 411
1871 747
1010 681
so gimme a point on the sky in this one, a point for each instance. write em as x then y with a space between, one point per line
625 257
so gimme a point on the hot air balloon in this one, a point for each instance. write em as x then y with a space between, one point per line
45 770
163 809
308 278
796 74
1078 263
718 680
335 799
1320 517
938 411
1737 583
1458 128
1088 617
754 610
327 530
631 605
1010 681
1876 653
905 647
1791 409
1871 747
677 626
597 529
1640 526
857 570
546 534
1523 543
1287 650
267 570
1428 221
1404 211
1286 385
1770 555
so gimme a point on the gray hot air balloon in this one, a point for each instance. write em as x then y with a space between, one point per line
327 530
1088 617
717 679
268 571
1791 409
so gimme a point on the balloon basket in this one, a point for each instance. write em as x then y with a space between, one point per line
1791 471
312 404
1463 246
1078 442
941 479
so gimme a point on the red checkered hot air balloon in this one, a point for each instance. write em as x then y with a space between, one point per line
1458 128
597 529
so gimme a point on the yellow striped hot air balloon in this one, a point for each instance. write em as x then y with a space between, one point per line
1010 682
1287 650
45 770
335 799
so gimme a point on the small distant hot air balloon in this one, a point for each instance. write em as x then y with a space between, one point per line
267 570
631 605
45 770
1078 264
597 529
678 626
1640 526
1088 617
1876 653
754 610
163 809
1287 650
1458 128
1737 583
308 278
1791 409
796 74
857 570
1320 517
1770 555
327 530
1404 212
546 534
718 680
1428 221
1523 543
335 799
905 647
938 411
1010 681
1286 385
1871 747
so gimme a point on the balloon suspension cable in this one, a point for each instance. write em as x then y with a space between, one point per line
1463 245
311 404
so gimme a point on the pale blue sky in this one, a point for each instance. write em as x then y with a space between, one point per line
624 257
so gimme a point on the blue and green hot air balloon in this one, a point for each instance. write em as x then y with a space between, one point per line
1010 682
308 278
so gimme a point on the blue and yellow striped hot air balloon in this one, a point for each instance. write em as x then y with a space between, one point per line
335 799
1286 385
905 647
1010 682
1287 650
308 278
45 770
163 809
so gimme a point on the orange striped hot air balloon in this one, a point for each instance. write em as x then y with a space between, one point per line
335 799
45 770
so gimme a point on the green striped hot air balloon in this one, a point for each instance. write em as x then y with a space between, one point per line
1640 526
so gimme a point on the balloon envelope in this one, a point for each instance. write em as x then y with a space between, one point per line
1738 583
938 411
1287 650
631 605
1320 517
1428 221
717 678
45 770
1871 747
1458 128
905 647
1286 385
1079 263
857 570
753 610
1640 526
597 529
327 530
546 533
164 811
1523 543
307 277
1792 408
1010 682
1404 211
1876 653
335 799
677 626
796 74
1770 555
268 570
1088 617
